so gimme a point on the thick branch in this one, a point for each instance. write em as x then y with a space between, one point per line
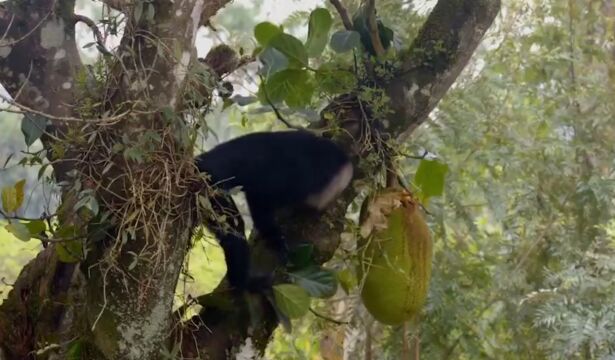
442 49
39 42
343 13
370 10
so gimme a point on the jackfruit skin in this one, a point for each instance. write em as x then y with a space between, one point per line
396 265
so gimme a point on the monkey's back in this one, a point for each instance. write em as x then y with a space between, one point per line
280 167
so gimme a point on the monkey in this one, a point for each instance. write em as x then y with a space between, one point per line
275 170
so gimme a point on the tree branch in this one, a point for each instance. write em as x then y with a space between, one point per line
341 10
370 11
437 56
97 34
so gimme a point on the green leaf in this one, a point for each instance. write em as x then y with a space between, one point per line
88 202
8 158
292 300
347 280
273 61
19 230
345 40
69 251
151 12
41 171
292 48
265 31
12 196
33 126
291 85
318 282
318 31
335 81
430 178
302 96
138 11
74 350
36 227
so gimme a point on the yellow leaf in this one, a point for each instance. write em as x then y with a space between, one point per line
12 196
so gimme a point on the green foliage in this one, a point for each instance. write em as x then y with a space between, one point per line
33 127
266 31
288 76
318 282
292 48
70 250
345 40
74 350
333 79
292 86
205 259
19 230
318 31
273 61
35 226
429 178
292 300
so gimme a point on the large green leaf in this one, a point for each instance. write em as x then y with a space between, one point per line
291 85
429 178
318 31
345 40
19 230
273 61
266 31
292 300
33 126
35 227
302 95
292 48
318 282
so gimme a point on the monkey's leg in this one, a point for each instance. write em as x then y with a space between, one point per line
231 236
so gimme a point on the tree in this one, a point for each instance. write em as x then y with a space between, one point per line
120 138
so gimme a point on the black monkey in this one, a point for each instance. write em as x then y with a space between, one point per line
275 170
